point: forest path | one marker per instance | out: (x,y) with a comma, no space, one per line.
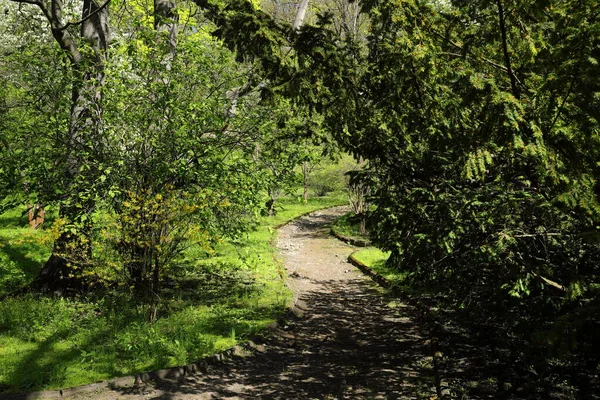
(345,339)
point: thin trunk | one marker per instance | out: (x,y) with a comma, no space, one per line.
(507,62)
(299,20)
(144,266)
(155,290)
(358,193)
(166,20)
(305,172)
(270,204)
(363,224)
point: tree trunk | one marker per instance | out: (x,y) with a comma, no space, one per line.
(305,173)
(62,273)
(71,252)
(270,206)
(363,225)
(166,20)
(298,22)
(300,14)
(35,215)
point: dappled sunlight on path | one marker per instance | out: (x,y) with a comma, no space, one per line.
(344,338)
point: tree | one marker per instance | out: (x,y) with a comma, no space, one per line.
(279,149)
(85,53)
(147,134)
(181,146)
(480,126)
(359,191)
(34,109)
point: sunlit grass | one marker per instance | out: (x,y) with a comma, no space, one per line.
(212,303)
(348,226)
(21,252)
(376,260)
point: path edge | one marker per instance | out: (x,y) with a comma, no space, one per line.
(442,387)
(194,368)
(350,240)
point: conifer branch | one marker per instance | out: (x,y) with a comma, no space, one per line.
(513,80)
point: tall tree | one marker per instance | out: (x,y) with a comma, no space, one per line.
(480,125)
(180,155)
(86,52)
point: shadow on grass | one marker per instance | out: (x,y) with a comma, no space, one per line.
(13,220)
(208,287)
(18,253)
(349,344)
(117,341)
(49,362)
(18,218)
(17,268)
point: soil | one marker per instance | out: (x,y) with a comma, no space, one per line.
(344,339)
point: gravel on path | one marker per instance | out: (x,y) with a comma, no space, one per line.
(345,339)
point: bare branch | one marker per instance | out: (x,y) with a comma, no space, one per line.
(34,2)
(492,63)
(551,283)
(532,235)
(39,4)
(299,20)
(459,47)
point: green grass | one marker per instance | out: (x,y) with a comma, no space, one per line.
(376,260)
(214,303)
(22,251)
(348,226)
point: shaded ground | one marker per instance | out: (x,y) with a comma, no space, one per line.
(478,362)
(345,339)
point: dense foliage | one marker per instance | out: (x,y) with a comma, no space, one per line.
(479,124)
(483,154)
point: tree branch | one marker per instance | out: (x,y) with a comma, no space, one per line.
(81,21)
(39,4)
(513,81)
(550,283)
(34,2)
(461,48)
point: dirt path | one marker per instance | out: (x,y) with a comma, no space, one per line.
(345,340)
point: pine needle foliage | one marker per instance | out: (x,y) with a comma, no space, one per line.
(479,122)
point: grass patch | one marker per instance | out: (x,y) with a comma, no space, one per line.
(211,303)
(22,250)
(348,226)
(376,260)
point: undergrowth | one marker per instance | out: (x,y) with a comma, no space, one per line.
(210,303)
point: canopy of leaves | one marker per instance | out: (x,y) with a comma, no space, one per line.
(480,124)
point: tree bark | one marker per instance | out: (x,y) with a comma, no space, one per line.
(299,20)
(35,215)
(72,251)
(305,172)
